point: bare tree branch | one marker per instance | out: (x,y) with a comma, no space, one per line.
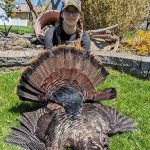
(47,6)
(57,3)
(116,46)
(52,3)
(54,6)
(103,30)
(112,38)
(32,8)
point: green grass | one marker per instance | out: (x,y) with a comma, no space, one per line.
(129,34)
(133,100)
(18,29)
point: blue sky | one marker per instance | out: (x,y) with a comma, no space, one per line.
(35,2)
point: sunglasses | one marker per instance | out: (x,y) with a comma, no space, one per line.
(69,12)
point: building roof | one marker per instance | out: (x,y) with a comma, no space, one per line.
(22,8)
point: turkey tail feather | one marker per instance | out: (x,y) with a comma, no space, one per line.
(64,66)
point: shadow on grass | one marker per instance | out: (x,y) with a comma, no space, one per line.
(26,107)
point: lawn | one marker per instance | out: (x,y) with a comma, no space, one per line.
(18,29)
(133,100)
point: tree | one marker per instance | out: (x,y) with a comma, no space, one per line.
(39,3)
(4,17)
(44,8)
(55,5)
(9,7)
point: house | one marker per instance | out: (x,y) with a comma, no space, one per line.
(23,11)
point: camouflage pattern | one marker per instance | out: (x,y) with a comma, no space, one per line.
(76,3)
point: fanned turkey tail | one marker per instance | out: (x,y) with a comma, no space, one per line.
(65,67)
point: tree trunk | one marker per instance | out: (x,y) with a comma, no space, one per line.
(32,8)
(55,6)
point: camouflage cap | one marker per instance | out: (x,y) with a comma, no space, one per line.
(76,3)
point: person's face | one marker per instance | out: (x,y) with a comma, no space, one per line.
(70,15)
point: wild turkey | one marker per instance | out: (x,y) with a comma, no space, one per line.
(64,79)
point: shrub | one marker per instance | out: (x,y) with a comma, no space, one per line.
(103,13)
(140,44)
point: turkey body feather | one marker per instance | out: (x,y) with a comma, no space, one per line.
(65,80)
(53,129)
